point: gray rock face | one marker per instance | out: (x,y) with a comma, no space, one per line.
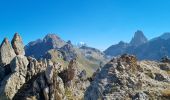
(69,52)
(49,72)
(13,82)
(6,52)
(17,45)
(19,64)
(10,86)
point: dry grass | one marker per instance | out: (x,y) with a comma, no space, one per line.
(168,72)
(166,93)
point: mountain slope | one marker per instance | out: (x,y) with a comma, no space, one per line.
(52,45)
(39,47)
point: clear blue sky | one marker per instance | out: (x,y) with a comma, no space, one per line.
(99,23)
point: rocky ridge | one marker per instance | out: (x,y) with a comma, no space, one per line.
(125,78)
(26,78)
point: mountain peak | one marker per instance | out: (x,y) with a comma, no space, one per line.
(138,39)
(51,36)
(165,36)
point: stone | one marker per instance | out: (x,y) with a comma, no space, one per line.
(83,75)
(140,96)
(72,69)
(18,45)
(6,53)
(49,72)
(10,86)
(46,92)
(159,77)
(165,67)
(19,64)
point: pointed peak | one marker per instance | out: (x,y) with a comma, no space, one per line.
(51,35)
(16,37)
(16,34)
(139,33)
(18,45)
(165,36)
(5,41)
(139,38)
(121,42)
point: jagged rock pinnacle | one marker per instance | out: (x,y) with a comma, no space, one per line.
(138,39)
(6,52)
(17,45)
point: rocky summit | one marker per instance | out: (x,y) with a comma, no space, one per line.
(125,78)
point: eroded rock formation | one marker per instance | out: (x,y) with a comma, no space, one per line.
(124,78)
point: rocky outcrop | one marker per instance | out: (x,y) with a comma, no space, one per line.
(14,81)
(126,78)
(17,45)
(6,53)
(69,52)
(15,68)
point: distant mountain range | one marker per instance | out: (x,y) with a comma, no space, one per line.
(143,48)
(52,46)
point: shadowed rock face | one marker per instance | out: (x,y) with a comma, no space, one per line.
(138,39)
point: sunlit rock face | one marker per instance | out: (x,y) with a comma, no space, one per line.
(126,78)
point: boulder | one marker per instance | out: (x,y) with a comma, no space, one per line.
(6,53)
(140,96)
(72,69)
(49,72)
(10,86)
(19,65)
(18,45)
(14,81)
(165,66)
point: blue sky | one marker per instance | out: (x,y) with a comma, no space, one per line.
(99,23)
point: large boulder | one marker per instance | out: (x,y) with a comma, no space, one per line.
(17,45)
(49,72)
(10,86)
(19,64)
(6,53)
(14,81)
(72,69)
